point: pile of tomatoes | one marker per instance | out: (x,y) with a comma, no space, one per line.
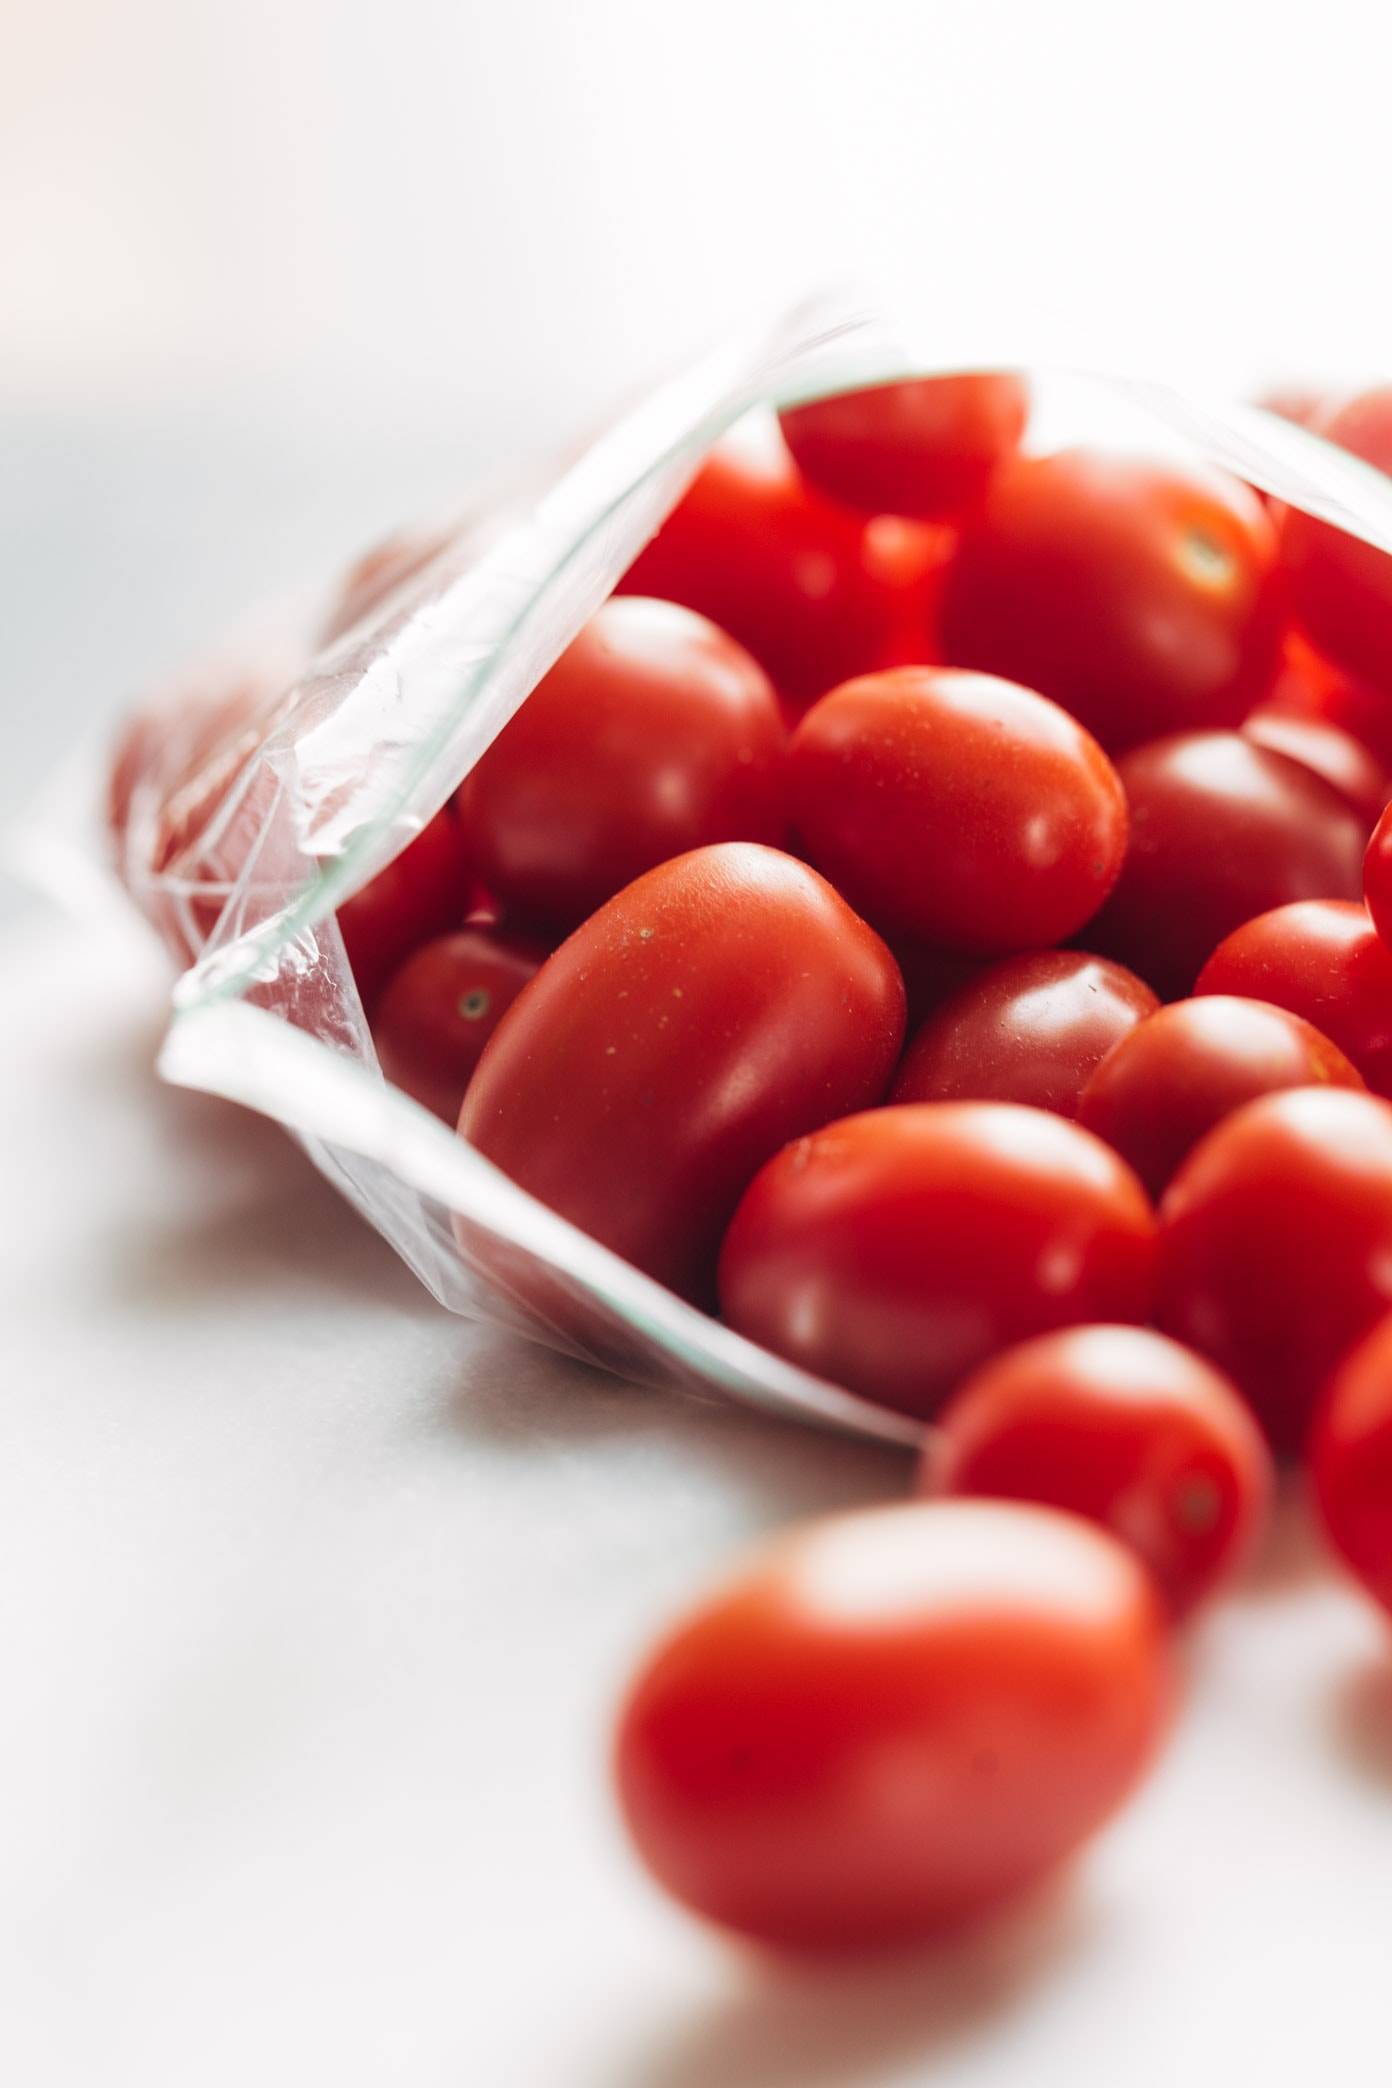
(937,914)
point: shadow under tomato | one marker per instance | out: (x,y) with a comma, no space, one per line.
(521,1396)
(1361,1719)
(1290,1554)
(827,2023)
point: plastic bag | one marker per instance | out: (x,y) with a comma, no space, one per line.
(340,764)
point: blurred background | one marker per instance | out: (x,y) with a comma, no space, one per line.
(273,277)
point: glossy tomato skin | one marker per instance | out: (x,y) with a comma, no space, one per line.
(1327,750)
(895,1251)
(926,447)
(440,1009)
(1140,596)
(815,592)
(1350,1459)
(1340,587)
(1221,831)
(1179,1073)
(1325,961)
(958,809)
(1309,686)
(428,889)
(1027,1029)
(890,1721)
(1276,1246)
(1377,879)
(1126,1428)
(652,735)
(718,1006)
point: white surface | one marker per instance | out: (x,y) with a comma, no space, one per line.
(314,1611)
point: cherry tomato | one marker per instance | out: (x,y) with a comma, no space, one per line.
(440,1009)
(1028,1029)
(892,1720)
(1301,403)
(1327,750)
(1309,686)
(378,573)
(720,1005)
(1126,1428)
(182,812)
(128,764)
(1340,587)
(653,734)
(1183,1070)
(1221,831)
(165,746)
(1323,960)
(203,840)
(1276,1245)
(1377,879)
(1140,596)
(927,447)
(1350,1457)
(816,593)
(895,1251)
(428,889)
(957,808)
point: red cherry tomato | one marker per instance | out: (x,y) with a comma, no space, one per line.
(927,447)
(815,593)
(957,808)
(653,734)
(1309,686)
(165,747)
(1221,831)
(895,1251)
(1029,1029)
(129,762)
(1123,1427)
(1327,750)
(1140,596)
(440,1009)
(428,889)
(1325,961)
(1301,403)
(892,1720)
(1183,1070)
(1341,588)
(1351,1461)
(204,838)
(182,811)
(1377,879)
(378,573)
(720,1005)
(1276,1245)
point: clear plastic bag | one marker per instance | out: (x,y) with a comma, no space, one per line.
(339,764)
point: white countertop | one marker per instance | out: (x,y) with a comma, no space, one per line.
(315,1607)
